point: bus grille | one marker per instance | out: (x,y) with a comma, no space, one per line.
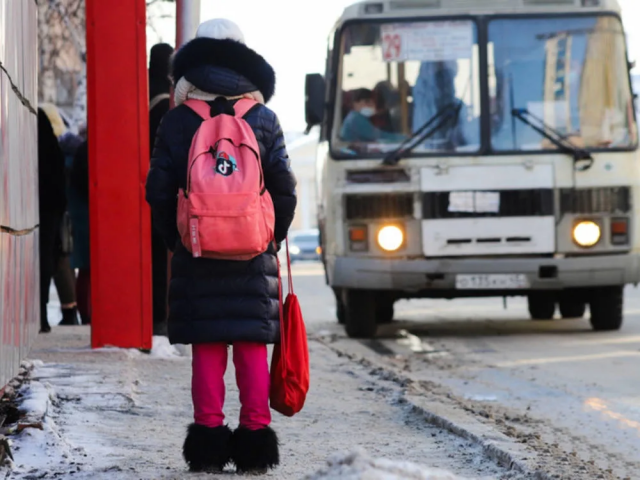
(375,207)
(595,200)
(513,203)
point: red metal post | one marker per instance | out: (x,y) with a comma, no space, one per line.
(118,125)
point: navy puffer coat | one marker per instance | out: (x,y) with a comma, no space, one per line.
(216,300)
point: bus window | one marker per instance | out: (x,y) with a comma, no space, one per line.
(571,73)
(395,77)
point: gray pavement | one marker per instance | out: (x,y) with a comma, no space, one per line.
(121,414)
(576,389)
(570,395)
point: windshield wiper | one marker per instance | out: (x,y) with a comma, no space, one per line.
(555,137)
(448,113)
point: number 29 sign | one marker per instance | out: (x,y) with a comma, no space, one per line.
(427,41)
(391,46)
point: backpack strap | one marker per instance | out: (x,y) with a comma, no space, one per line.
(200,107)
(243,106)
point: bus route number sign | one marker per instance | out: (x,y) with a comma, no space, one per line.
(427,41)
(392,46)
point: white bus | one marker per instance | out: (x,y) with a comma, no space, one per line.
(477,148)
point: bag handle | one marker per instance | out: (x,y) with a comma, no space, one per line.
(283,347)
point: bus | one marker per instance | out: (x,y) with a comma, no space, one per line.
(477,148)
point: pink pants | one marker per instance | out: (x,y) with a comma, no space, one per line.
(252,376)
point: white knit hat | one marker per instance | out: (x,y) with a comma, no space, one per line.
(220,29)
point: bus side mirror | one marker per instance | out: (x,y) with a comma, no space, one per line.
(314,100)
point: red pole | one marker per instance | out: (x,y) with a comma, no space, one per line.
(120,223)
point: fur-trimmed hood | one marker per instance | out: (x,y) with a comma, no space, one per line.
(224,67)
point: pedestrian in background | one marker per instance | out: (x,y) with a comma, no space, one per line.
(215,303)
(79,213)
(159,104)
(64,277)
(52,205)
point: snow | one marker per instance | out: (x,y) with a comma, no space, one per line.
(33,448)
(37,399)
(360,466)
(163,349)
(110,415)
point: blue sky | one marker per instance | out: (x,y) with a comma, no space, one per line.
(292,35)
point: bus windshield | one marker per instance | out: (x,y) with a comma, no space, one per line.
(396,76)
(571,74)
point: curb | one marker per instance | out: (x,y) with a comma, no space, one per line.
(496,446)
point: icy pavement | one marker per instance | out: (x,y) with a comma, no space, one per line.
(358,465)
(121,414)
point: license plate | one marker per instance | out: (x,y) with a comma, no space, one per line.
(491,282)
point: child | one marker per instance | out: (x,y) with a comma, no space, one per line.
(216,303)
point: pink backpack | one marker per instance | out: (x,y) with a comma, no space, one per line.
(226,211)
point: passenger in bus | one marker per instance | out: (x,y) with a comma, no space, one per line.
(388,115)
(435,89)
(357,126)
(217,303)
(382,96)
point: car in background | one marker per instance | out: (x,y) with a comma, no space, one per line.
(304,245)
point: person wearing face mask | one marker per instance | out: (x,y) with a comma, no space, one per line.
(357,126)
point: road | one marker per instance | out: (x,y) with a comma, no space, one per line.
(570,393)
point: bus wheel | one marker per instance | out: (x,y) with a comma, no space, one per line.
(542,306)
(606,308)
(572,308)
(341,313)
(384,311)
(360,309)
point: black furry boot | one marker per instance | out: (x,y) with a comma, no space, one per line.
(254,451)
(207,449)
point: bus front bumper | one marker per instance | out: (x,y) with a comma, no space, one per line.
(416,275)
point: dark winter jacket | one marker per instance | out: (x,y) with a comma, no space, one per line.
(79,206)
(159,84)
(51,170)
(216,300)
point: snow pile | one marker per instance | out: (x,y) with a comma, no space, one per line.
(163,349)
(359,466)
(40,444)
(36,399)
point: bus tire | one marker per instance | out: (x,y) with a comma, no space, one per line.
(384,311)
(360,309)
(542,306)
(570,308)
(341,313)
(606,305)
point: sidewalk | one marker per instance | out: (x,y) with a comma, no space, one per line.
(121,414)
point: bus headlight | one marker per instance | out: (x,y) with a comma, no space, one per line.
(390,238)
(587,233)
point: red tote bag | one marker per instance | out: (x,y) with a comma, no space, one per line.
(290,361)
